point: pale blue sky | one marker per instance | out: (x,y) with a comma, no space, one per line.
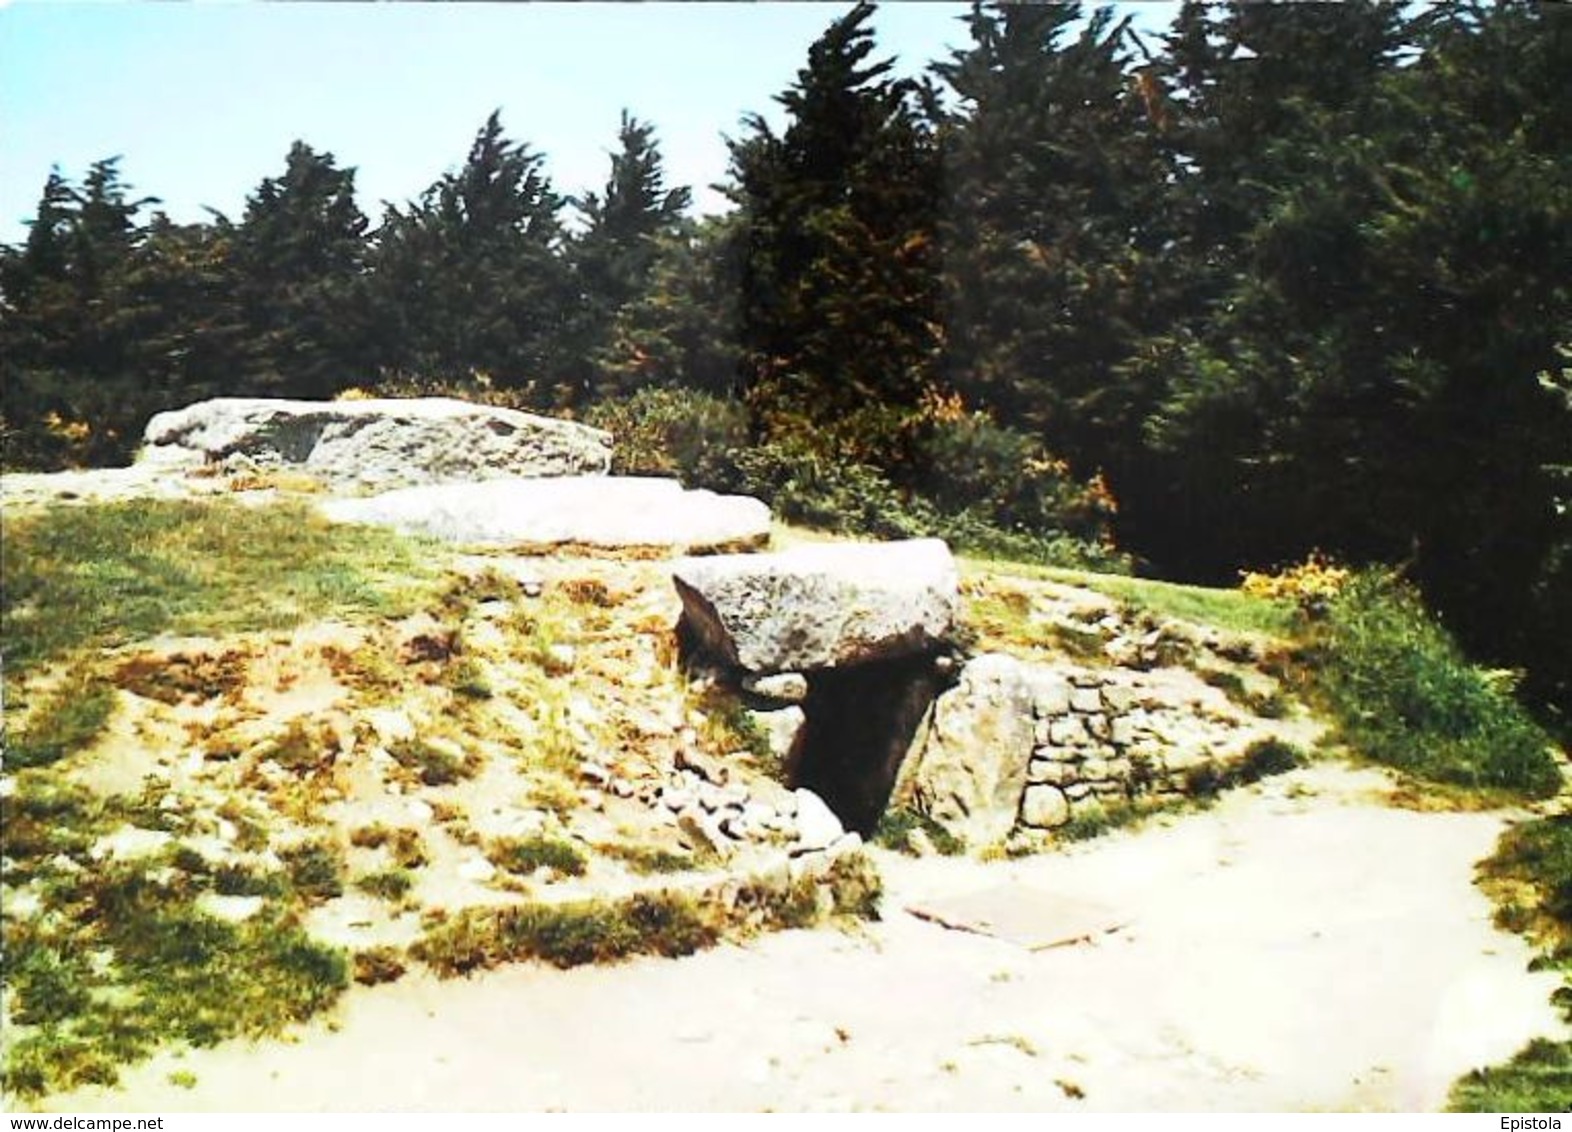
(203,100)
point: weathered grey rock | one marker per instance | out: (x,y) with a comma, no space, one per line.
(1052,696)
(969,764)
(817,826)
(129,843)
(1118,698)
(701,833)
(782,687)
(1067,731)
(1086,700)
(782,728)
(230,909)
(1044,807)
(821,606)
(476,869)
(606,512)
(379,444)
(1049,772)
(707,767)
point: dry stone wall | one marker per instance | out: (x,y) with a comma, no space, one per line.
(1016,745)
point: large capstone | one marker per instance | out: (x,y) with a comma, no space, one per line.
(599,512)
(376,444)
(823,606)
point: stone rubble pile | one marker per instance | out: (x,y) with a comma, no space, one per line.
(716,814)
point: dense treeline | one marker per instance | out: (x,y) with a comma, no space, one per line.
(1292,277)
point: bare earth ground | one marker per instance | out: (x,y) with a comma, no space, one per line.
(1300,946)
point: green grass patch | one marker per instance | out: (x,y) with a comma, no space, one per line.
(70,718)
(378,965)
(1090,822)
(1226,609)
(389,884)
(523,855)
(1402,694)
(1537,1079)
(114,573)
(1262,759)
(646,860)
(565,935)
(650,923)
(405,846)
(315,870)
(729,727)
(896,827)
(121,960)
(128,963)
(434,764)
(1530,878)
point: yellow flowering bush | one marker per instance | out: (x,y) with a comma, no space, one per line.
(1310,585)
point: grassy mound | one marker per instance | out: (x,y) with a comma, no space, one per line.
(1403,694)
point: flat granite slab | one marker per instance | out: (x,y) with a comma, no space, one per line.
(378,444)
(610,513)
(822,606)
(1030,917)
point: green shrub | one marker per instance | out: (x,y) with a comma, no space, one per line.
(980,487)
(967,464)
(806,485)
(1402,694)
(672,432)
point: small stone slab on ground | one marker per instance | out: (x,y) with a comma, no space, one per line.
(822,606)
(1032,918)
(378,443)
(598,512)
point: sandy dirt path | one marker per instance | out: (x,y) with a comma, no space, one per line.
(1299,946)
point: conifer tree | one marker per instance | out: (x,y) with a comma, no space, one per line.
(1054,226)
(298,259)
(840,278)
(471,279)
(627,225)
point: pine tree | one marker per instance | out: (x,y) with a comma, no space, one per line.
(1055,224)
(682,329)
(471,279)
(839,317)
(627,225)
(68,342)
(298,258)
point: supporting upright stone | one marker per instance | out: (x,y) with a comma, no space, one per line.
(968,767)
